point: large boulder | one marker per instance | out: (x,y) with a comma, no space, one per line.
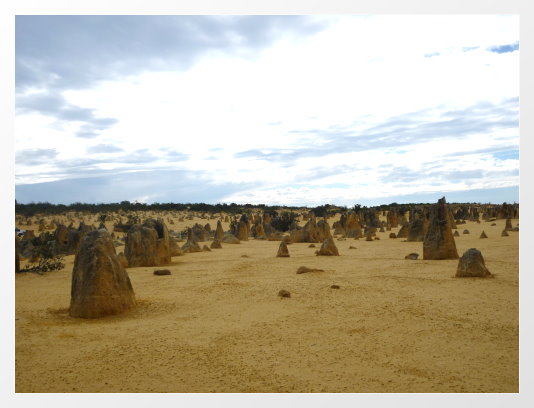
(471,264)
(148,244)
(100,284)
(438,241)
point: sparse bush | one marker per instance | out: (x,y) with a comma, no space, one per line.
(283,221)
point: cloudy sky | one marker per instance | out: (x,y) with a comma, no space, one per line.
(295,110)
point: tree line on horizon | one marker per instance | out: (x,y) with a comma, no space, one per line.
(46,208)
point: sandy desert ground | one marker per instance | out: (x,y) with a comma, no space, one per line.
(217,325)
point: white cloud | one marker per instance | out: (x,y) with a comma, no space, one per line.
(355,75)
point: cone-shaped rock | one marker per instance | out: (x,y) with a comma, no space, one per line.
(100,284)
(403,232)
(483,235)
(456,234)
(191,245)
(283,252)
(219,233)
(471,264)
(216,244)
(328,248)
(508,226)
(504,233)
(439,242)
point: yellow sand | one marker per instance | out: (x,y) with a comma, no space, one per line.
(217,325)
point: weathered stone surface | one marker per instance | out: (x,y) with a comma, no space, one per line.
(100,284)
(283,252)
(175,248)
(243,228)
(328,248)
(230,239)
(122,259)
(190,245)
(472,264)
(439,241)
(216,244)
(219,233)
(403,232)
(148,244)
(417,229)
(311,232)
(199,233)
(508,226)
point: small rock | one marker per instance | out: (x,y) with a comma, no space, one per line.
(465,232)
(284,293)
(334,287)
(311,246)
(352,247)
(162,272)
(304,269)
(413,255)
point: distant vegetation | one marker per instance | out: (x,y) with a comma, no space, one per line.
(45,208)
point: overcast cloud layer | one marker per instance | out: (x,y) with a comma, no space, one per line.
(296,110)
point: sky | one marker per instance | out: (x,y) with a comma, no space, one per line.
(281,110)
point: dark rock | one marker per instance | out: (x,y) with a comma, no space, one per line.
(284,293)
(471,264)
(283,252)
(162,272)
(304,269)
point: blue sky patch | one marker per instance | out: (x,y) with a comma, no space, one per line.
(507,154)
(501,49)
